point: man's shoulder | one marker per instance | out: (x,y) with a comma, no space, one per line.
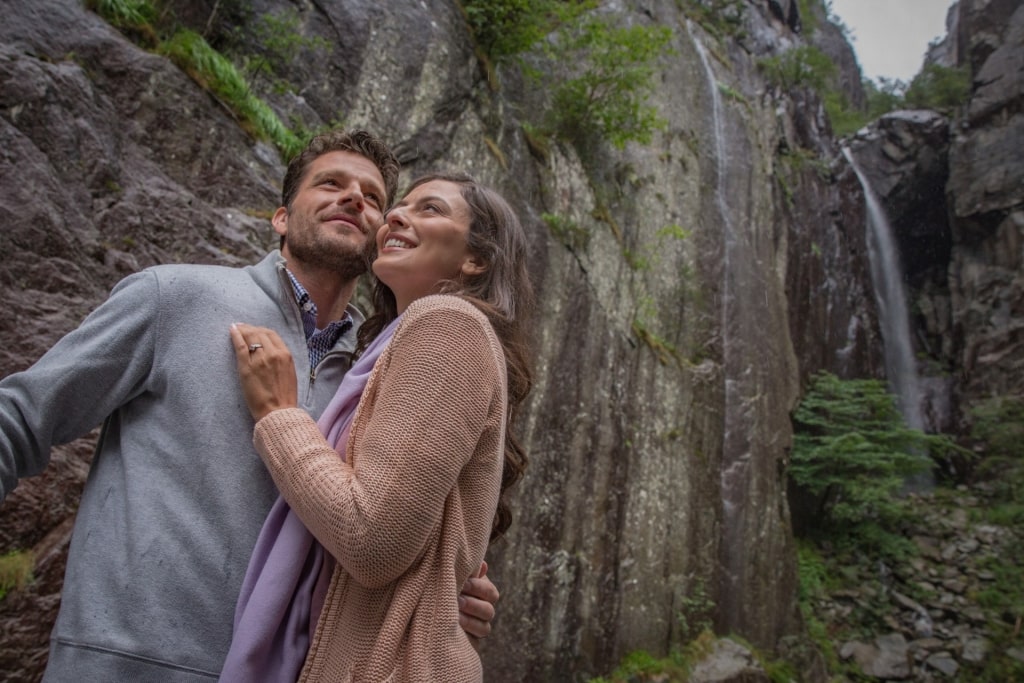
(186,275)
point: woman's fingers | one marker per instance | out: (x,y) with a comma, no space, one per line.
(265,368)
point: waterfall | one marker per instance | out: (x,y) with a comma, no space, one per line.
(887,278)
(735,465)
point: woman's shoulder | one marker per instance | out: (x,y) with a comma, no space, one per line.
(447,316)
(442,305)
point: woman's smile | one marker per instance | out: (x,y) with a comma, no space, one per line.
(422,243)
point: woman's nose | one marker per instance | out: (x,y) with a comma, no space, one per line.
(396,217)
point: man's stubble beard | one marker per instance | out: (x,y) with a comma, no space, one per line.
(320,253)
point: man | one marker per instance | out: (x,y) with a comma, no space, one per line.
(176,495)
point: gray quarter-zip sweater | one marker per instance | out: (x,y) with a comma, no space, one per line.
(176,495)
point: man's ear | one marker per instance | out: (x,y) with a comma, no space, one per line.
(473,265)
(280,221)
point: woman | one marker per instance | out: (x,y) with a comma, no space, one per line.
(422,426)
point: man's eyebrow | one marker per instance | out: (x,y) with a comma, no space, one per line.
(320,175)
(335,173)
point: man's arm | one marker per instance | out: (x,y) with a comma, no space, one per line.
(87,375)
(476,604)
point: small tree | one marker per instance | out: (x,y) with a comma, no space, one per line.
(853,453)
(939,87)
(801,67)
(504,28)
(607,73)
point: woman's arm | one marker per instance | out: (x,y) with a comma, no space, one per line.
(433,396)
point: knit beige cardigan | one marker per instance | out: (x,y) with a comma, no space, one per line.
(407,517)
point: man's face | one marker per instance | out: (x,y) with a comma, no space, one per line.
(337,209)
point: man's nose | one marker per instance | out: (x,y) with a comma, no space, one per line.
(351,194)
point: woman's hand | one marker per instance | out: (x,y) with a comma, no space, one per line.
(265,368)
(476,605)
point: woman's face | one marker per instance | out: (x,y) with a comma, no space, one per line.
(423,242)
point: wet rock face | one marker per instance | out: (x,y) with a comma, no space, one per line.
(987,201)
(954,192)
(905,156)
(705,276)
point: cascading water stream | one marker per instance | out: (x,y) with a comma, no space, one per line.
(887,278)
(735,464)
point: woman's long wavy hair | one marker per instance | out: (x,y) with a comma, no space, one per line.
(502,292)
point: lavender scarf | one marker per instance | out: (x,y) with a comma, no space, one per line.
(289,571)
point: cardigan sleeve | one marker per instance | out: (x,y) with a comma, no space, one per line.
(434,393)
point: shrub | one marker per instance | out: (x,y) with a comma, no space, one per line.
(940,88)
(503,28)
(998,428)
(801,67)
(214,72)
(852,452)
(718,17)
(609,73)
(844,118)
(998,423)
(130,14)
(884,96)
(135,18)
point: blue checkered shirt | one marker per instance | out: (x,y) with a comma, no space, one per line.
(319,342)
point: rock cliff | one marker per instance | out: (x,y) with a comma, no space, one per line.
(667,361)
(952,186)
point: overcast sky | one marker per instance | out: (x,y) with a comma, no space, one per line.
(891,36)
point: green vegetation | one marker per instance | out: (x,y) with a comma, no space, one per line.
(277,39)
(567,231)
(815,579)
(599,74)
(678,665)
(808,17)
(852,454)
(1003,597)
(648,256)
(808,67)
(15,570)
(801,67)
(642,666)
(604,78)
(696,614)
(125,14)
(665,351)
(998,428)
(718,17)
(214,72)
(936,87)
(506,28)
(940,88)
(884,96)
